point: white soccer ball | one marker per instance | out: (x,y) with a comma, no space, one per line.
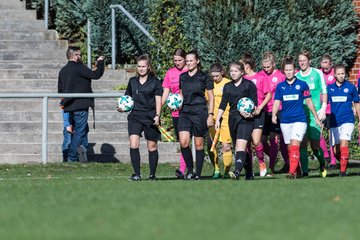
(174,101)
(126,103)
(245,104)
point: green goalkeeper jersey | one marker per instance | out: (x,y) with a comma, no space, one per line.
(317,85)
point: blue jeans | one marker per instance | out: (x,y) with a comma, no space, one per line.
(81,129)
(67,142)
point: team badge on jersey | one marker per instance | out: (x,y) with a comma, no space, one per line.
(297,87)
(254,81)
(346,90)
(274,79)
(330,78)
(306,93)
(311,79)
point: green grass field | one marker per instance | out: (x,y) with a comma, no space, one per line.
(96,201)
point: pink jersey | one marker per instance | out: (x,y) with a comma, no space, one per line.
(171,81)
(329,79)
(262,85)
(273,80)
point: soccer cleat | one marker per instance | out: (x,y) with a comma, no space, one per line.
(191,176)
(323,171)
(179,174)
(342,174)
(134,178)
(216,175)
(249,177)
(234,175)
(81,150)
(262,169)
(152,178)
(284,169)
(291,176)
(331,167)
(226,176)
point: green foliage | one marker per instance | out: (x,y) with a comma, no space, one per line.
(166,29)
(131,42)
(120,87)
(70,19)
(223,30)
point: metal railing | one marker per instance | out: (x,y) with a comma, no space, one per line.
(113,39)
(45,97)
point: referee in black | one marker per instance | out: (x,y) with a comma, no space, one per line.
(241,124)
(196,115)
(146,91)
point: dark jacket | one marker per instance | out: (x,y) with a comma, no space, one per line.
(76,77)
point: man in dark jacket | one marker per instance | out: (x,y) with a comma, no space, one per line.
(75,77)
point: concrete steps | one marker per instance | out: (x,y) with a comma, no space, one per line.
(33,126)
(33,25)
(25,55)
(50,84)
(32,44)
(35,104)
(96,157)
(28,64)
(30,60)
(28,35)
(55,136)
(118,147)
(18,14)
(11,5)
(57,116)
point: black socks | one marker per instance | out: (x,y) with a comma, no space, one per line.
(153,161)
(187,155)
(240,159)
(135,160)
(200,155)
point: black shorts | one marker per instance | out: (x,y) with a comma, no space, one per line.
(327,122)
(240,129)
(269,126)
(151,132)
(194,121)
(259,120)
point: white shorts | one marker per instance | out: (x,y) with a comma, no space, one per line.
(293,131)
(342,132)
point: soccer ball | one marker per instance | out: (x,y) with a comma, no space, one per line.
(174,101)
(126,103)
(245,105)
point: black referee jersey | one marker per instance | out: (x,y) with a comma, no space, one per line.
(232,94)
(193,89)
(144,96)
